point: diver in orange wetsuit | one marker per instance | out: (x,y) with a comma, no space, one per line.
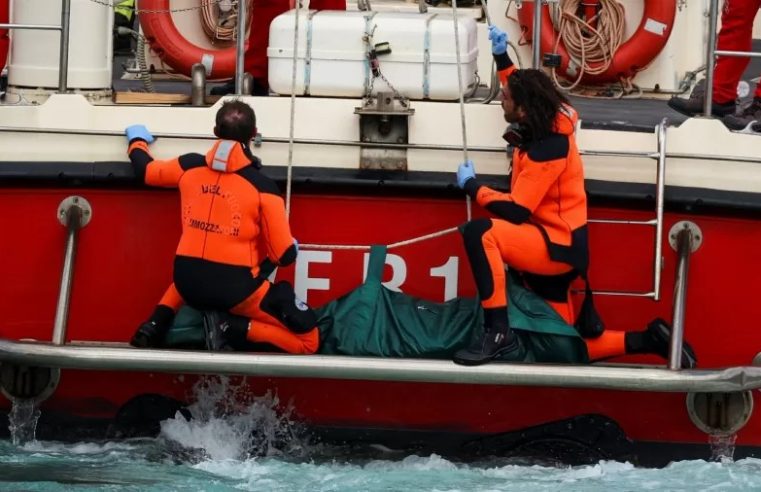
(233,221)
(540,226)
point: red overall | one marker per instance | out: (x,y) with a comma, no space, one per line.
(736,35)
(262,13)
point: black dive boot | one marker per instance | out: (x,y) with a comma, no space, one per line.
(656,340)
(497,339)
(151,334)
(224,331)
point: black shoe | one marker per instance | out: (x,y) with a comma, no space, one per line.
(750,115)
(225,331)
(487,347)
(224,89)
(149,335)
(215,326)
(258,89)
(694,105)
(660,337)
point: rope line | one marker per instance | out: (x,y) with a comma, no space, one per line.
(289,179)
(159,11)
(455,18)
(398,244)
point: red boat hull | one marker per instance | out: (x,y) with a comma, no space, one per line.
(124,263)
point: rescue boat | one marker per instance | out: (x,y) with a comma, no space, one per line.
(87,250)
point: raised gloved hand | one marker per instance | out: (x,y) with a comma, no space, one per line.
(465,172)
(498,39)
(139,131)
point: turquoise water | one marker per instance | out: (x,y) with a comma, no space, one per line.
(150,465)
(235,442)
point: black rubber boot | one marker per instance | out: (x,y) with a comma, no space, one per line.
(225,331)
(487,347)
(151,334)
(656,340)
(497,340)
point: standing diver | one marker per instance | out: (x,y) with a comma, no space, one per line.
(540,227)
(233,223)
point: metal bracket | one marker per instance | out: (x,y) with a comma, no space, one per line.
(198,84)
(67,207)
(697,234)
(383,123)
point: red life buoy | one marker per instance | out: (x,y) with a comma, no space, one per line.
(4,41)
(632,56)
(174,49)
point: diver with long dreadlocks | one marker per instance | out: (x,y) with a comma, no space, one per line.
(540,226)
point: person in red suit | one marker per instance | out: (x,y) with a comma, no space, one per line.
(255,61)
(736,35)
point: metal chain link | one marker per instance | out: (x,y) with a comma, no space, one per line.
(402,100)
(203,4)
(368,38)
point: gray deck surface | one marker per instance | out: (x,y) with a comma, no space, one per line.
(622,114)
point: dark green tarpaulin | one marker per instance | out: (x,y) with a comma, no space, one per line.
(372,320)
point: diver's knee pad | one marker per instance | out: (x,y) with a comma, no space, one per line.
(281,303)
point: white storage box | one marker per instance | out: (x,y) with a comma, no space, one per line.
(332,58)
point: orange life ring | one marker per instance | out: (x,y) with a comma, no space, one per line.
(631,57)
(4,41)
(175,50)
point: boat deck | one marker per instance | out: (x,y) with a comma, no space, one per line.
(629,114)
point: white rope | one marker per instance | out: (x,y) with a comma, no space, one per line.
(591,48)
(462,97)
(289,179)
(399,244)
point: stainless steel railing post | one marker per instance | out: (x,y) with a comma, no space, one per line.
(713,16)
(536,38)
(74,213)
(63,62)
(684,247)
(660,185)
(240,45)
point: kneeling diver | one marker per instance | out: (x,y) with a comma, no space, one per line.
(233,221)
(540,226)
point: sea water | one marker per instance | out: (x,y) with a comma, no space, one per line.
(227,446)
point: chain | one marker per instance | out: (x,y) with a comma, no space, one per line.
(402,100)
(203,4)
(375,71)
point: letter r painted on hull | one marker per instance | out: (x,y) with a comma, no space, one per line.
(302,283)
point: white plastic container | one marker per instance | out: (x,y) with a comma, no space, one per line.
(332,57)
(34,54)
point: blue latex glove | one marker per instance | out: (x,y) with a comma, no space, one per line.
(465,172)
(498,39)
(139,131)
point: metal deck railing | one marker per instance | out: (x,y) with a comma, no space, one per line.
(712,52)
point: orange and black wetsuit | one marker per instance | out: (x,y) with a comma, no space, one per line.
(233,219)
(540,226)
(539,229)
